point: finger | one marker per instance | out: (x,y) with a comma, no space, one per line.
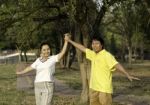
(136,78)
(130,79)
(67,34)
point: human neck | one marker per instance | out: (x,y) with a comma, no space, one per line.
(45,58)
(98,51)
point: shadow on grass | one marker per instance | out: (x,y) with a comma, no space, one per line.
(131,93)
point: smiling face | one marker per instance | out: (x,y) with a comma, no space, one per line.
(97,46)
(45,51)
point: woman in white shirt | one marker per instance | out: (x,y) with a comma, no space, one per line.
(45,68)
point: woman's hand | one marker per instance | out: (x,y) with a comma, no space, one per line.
(67,37)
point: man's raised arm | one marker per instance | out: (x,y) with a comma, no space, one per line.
(75,44)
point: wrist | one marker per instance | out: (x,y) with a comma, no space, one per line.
(128,75)
(70,40)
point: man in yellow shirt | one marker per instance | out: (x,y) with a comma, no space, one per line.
(102,65)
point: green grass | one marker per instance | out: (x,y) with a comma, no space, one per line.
(65,100)
(9,95)
(71,77)
(8,92)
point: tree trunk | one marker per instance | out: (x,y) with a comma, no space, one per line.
(62,61)
(72,56)
(142,52)
(84,10)
(145,2)
(25,56)
(130,56)
(84,69)
(123,53)
(135,53)
(21,56)
(68,58)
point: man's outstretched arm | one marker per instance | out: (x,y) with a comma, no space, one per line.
(120,68)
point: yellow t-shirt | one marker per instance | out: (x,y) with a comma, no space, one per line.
(102,65)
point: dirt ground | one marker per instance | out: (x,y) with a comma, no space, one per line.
(135,93)
(125,92)
(120,98)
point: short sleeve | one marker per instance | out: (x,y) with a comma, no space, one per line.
(111,61)
(34,64)
(55,58)
(89,54)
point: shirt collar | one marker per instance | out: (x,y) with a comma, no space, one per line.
(102,51)
(41,59)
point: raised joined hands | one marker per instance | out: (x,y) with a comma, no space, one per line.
(67,36)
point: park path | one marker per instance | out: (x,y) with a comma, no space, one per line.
(63,89)
(132,100)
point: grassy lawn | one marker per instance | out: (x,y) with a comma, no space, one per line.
(9,95)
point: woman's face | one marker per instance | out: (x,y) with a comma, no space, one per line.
(45,51)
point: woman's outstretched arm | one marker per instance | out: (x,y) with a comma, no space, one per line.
(29,68)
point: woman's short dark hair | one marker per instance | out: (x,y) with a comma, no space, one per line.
(44,43)
(40,48)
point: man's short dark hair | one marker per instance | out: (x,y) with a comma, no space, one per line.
(98,38)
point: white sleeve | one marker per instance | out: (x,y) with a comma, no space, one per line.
(55,58)
(34,64)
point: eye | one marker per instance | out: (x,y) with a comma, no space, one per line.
(44,50)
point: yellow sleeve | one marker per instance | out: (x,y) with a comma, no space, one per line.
(89,54)
(111,61)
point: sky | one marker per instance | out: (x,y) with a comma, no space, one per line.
(99,4)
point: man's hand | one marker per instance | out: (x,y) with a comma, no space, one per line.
(67,36)
(131,78)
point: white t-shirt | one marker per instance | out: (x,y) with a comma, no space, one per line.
(45,70)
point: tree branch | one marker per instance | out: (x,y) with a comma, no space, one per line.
(49,19)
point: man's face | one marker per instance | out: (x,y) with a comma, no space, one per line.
(96,46)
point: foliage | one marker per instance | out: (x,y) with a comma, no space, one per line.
(128,19)
(23,21)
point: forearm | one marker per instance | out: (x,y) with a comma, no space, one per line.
(121,69)
(79,46)
(25,70)
(61,54)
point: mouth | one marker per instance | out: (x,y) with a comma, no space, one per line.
(46,54)
(96,50)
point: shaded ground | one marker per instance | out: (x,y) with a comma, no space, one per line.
(63,89)
(68,87)
(122,97)
(132,100)
(132,93)
(125,92)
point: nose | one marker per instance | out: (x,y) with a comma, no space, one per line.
(47,51)
(94,45)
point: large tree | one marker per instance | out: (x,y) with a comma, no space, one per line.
(27,22)
(89,16)
(128,19)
